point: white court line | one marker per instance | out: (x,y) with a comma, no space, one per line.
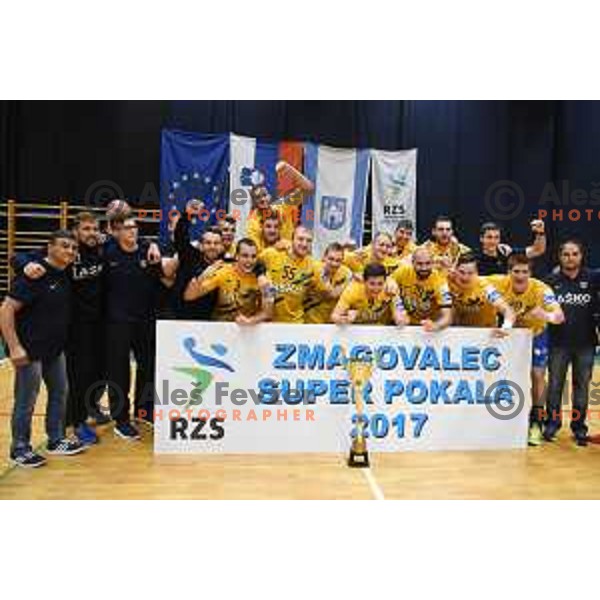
(373,485)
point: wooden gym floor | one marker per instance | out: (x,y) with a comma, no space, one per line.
(115,469)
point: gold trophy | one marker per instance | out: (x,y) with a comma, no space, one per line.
(360,371)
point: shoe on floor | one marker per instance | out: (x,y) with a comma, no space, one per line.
(581,439)
(86,434)
(550,431)
(27,459)
(65,447)
(535,435)
(127,431)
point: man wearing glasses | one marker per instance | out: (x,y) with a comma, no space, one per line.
(132,288)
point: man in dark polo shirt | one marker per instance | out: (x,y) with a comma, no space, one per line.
(492,256)
(194,257)
(34,320)
(132,288)
(572,343)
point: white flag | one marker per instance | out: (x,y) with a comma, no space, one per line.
(336,209)
(242,154)
(394,188)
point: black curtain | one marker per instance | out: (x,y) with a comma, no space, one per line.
(53,149)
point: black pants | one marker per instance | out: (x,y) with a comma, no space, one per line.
(582,364)
(85,354)
(121,340)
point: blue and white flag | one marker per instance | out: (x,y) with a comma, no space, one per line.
(394,188)
(335,211)
(193,165)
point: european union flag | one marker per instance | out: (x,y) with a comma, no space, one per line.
(193,166)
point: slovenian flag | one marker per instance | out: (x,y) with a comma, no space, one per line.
(336,209)
(252,162)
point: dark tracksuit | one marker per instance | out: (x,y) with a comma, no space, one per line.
(85,348)
(573,343)
(132,286)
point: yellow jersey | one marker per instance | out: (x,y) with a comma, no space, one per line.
(422,298)
(372,311)
(474,307)
(357,261)
(287,214)
(229,252)
(318,307)
(407,251)
(453,251)
(291,278)
(537,294)
(238,293)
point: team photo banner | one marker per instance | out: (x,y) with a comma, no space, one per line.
(272,388)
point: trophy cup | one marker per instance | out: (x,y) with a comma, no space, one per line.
(360,371)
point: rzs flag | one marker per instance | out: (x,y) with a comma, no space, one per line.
(394,185)
(253,163)
(335,211)
(193,166)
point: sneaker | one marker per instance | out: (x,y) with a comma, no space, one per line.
(127,431)
(581,439)
(535,435)
(65,447)
(27,460)
(86,434)
(550,431)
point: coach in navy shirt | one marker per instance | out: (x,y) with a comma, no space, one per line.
(132,288)
(572,343)
(34,320)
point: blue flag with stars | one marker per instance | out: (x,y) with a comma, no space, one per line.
(193,166)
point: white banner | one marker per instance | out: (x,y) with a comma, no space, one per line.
(284,388)
(336,210)
(242,158)
(394,185)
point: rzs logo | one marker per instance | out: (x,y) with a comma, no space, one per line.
(572,299)
(394,210)
(194,429)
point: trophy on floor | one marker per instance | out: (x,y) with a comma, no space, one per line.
(360,371)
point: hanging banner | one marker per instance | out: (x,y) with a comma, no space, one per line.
(394,188)
(335,211)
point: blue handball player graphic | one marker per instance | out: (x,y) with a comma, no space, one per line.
(202,378)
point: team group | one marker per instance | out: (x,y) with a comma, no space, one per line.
(80,308)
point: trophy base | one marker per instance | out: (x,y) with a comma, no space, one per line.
(358,459)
